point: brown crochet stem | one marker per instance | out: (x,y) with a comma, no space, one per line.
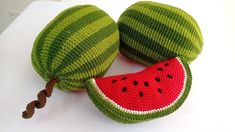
(41,102)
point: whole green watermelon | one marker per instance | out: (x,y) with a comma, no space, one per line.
(152,32)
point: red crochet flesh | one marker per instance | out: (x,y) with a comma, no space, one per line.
(153,88)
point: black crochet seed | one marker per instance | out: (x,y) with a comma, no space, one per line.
(124,78)
(146,84)
(160,69)
(157,79)
(113,81)
(141,94)
(169,76)
(135,83)
(124,89)
(159,90)
(166,64)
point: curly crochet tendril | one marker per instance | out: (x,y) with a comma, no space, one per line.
(41,102)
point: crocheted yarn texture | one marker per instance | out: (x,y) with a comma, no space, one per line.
(151,32)
(154,92)
(80,43)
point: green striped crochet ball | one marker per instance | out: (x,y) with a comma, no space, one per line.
(80,43)
(152,32)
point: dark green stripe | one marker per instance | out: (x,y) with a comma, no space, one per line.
(100,74)
(135,52)
(145,41)
(142,56)
(68,31)
(75,53)
(162,29)
(49,28)
(176,17)
(99,60)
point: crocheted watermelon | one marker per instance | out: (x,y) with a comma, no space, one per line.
(152,32)
(154,92)
(80,43)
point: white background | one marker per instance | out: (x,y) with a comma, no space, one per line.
(10,9)
(209,107)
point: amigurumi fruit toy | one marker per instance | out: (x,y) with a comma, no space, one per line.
(154,92)
(151,32)
(80,43)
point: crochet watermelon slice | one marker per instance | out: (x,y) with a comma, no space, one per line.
(154,92)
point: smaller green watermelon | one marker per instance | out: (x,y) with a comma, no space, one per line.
(152,93)
(151,32)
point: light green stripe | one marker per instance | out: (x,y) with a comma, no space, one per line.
(139,47)
(177,11)
(93,63)
(152,35)
(162,29)
(101,67)
(76,85)
(85,45)
(60,27)
(170,23)
(39,42)
(92,53)
(72,85)
(95,26)
(74,27)
(177,18)
(143,40)
(67,87)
